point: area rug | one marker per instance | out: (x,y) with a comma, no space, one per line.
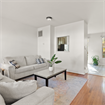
(65,91)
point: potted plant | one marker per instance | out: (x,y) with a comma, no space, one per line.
(95,60)
(53,61)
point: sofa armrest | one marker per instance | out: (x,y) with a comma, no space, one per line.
(46,61)
(43,96)
(9,70)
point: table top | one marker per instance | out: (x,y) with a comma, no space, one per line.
(47,74)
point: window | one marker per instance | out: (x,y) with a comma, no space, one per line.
(103,47)
(63,43)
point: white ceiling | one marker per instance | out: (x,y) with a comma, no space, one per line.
(35,13)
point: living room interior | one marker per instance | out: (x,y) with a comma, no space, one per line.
(49,49)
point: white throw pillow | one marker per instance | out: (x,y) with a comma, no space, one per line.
(2,102)
(1,76)
(13,91)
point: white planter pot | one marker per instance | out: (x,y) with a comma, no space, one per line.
(50,68)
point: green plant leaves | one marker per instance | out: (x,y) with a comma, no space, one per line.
(53,60)
(95,59)
(49,61)
(58,62)
(53,57)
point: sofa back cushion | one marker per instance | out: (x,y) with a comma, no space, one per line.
(2,102)
(13,91)
(19,59)
(31,59)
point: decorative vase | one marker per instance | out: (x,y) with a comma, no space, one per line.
(50,68)
(95,64)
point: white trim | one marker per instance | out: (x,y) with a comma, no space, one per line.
(98,64)
(75,72)
(86,70)
(101,65)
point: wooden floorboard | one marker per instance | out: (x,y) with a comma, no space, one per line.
(92,93)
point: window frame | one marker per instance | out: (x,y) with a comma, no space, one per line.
(102,46)
(68,43)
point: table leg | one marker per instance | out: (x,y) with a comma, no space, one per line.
(2,72)
(47,82)
(35,77)
(65,74)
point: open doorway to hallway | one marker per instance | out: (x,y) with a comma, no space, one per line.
(96,46)
(96,70)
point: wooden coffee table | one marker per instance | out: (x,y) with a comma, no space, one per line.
(46,74)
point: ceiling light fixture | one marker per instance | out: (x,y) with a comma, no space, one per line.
(49,18)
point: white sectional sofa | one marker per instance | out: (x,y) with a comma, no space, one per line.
(28,66)
(42,96)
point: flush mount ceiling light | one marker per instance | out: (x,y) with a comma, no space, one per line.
(49,18)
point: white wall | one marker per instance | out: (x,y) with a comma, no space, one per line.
(85,47)
(45,43)
(95,47)
(18,39)
(94,28)
(74,59)
(0,41)
(52,41)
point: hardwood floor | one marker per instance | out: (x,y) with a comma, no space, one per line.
(92,93)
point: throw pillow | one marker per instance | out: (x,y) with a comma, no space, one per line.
(1,76)
(41,60)
(13,91)
(2,102)
(38,61)
(14,63)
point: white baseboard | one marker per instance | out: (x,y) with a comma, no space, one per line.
(100,64)
(86,71)
(76,72)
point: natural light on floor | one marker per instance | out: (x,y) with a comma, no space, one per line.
(96,70)
(92,68)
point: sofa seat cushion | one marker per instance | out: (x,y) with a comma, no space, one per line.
(13,91)
(2,102)
(30,60)
(38,66)
(20,60)
(24,69)
(43,96)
